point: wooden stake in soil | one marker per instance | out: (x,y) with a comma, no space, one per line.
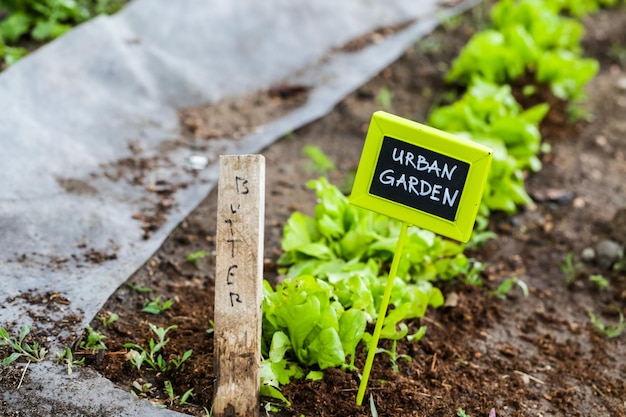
(238,285)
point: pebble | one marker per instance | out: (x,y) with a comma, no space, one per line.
(621,83)
(198,162)
(608,252)
(579,202)
(588,254)
(452,300)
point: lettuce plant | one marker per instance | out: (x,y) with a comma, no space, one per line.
(528,36)
(566,73)
(547,29)
(44,20)
(336,265)
(580,8)
(489,114)
(303,316)
(342,235)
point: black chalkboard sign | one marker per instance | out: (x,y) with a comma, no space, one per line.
(422,176)
(419,178)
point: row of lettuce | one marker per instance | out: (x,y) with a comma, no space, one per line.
(25,24)
(336,262)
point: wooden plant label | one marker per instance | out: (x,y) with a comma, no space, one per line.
(421,176)
(238,285)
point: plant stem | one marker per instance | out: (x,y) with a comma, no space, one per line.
(381,314)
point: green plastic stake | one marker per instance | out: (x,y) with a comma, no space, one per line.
(381,314)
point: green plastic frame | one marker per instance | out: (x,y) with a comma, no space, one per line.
(476,156)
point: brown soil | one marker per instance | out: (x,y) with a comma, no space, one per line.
(534,356)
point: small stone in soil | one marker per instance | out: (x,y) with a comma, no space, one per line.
(198,162)
(588,254)
(608,252)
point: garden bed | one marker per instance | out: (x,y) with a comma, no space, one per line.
(523,356)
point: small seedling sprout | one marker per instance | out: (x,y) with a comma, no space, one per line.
(66,356)
(503,289)
(393,355)
(178,361)
(195,257)
(570,269)
(93,340)
(140,389)
(151,355)
(600,282)
(373,407)
(169,390)
(608,330)
(320,162)
(157,306)
(385,97)
(620,265)
(108,319)
(138,288)
(211,329)
(182,400)
(21,349)
(418,335)
(185,397)
(461,413)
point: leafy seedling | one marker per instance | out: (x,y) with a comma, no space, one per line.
(418,335)
(157,306)
(66,356)
(461,413)
(185,397)
(503,289)
(385,97)
(452,22)
(92,340)
(195,257)
(21,349)
(320,162)
(142,390)
(600,282)
(570,269)
(211,329)
(620,265)
(182,400)
(472,274)
(430,45)
(108,319)
(179,360)
(151,355)
(138,288)
(608,330)
(393,355)
(373,407)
